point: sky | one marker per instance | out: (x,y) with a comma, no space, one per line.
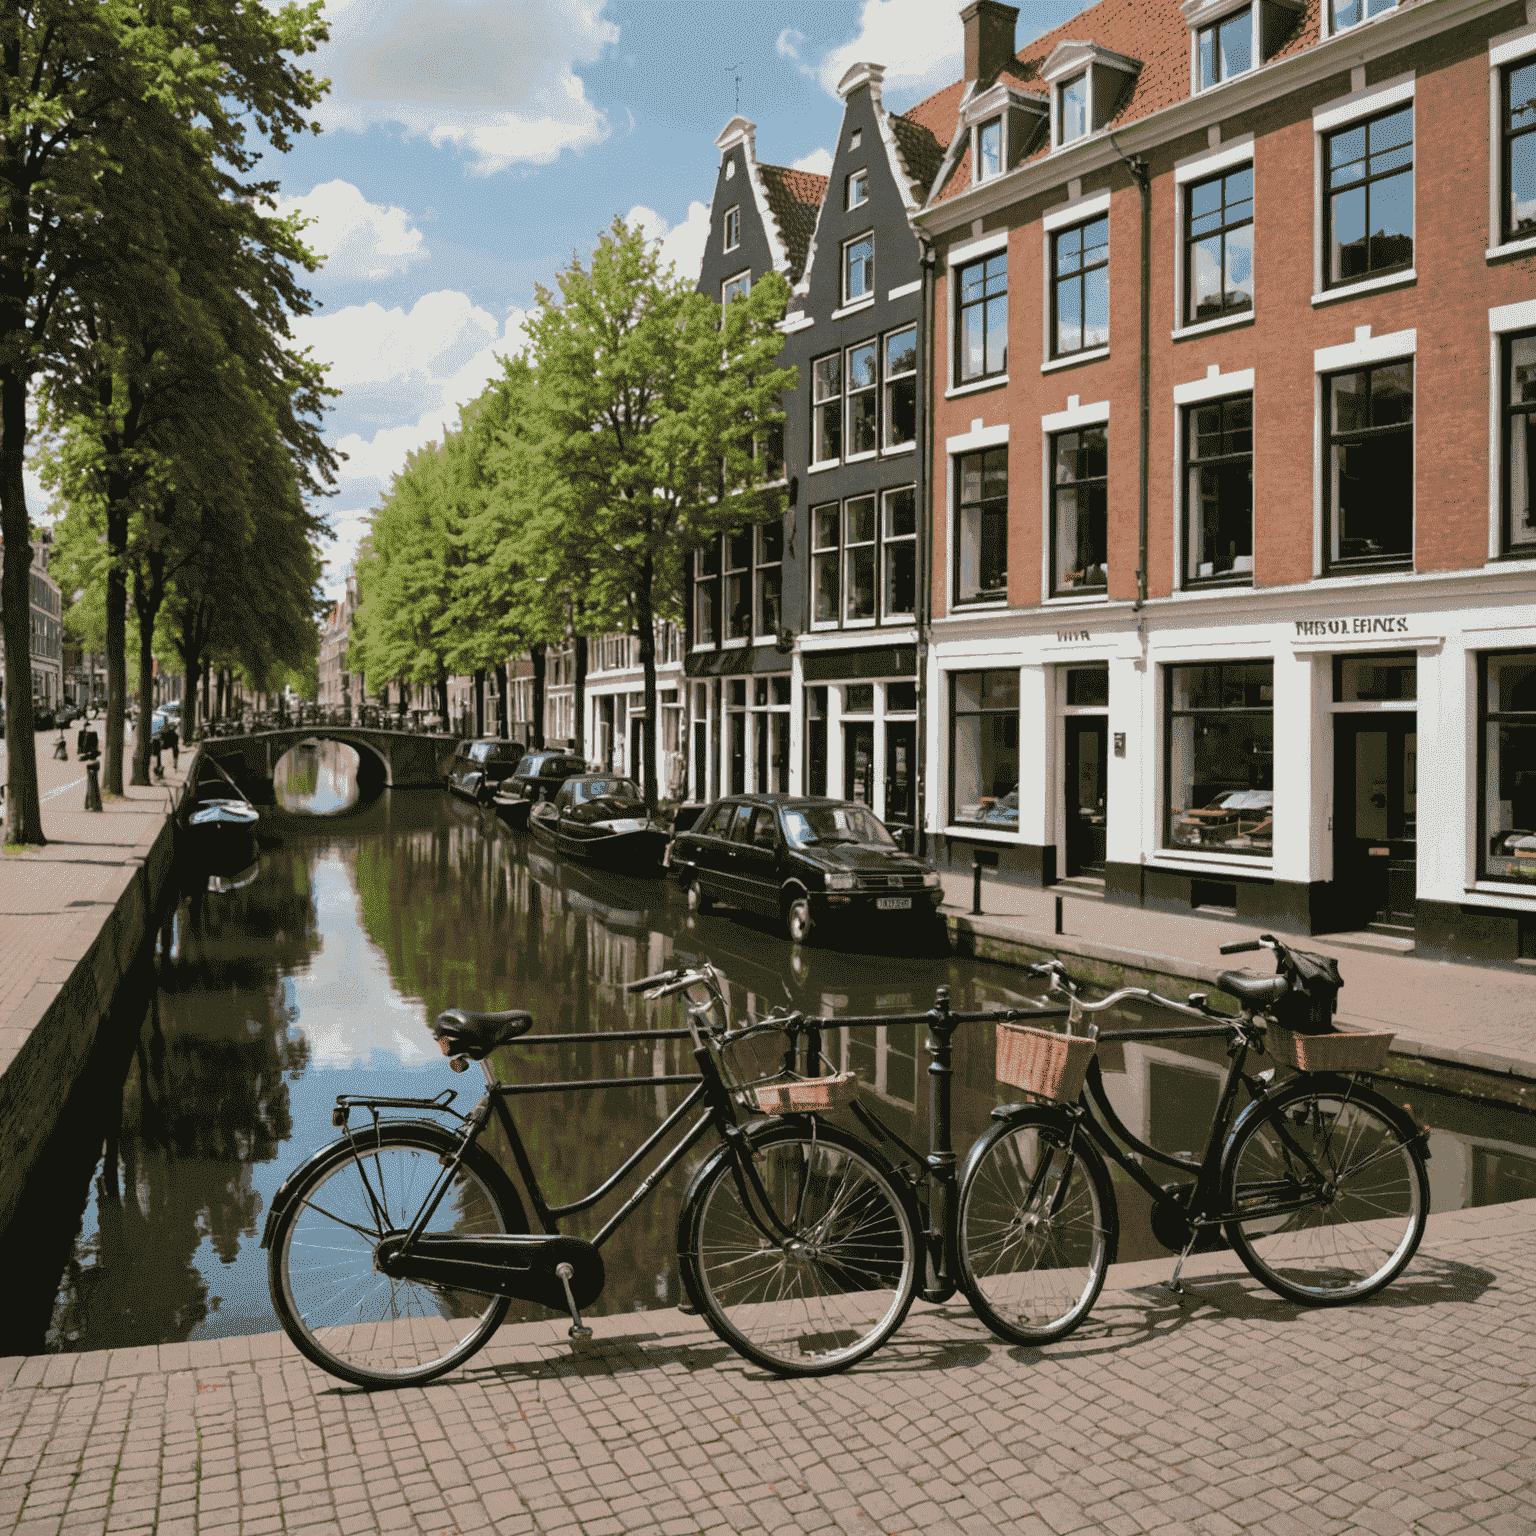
(472,148)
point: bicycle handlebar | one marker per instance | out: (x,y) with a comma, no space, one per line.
(1237,949)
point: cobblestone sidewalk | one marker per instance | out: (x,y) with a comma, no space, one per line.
(1223,1412)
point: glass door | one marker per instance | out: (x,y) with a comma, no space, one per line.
(901,778)
(1086,798)
(859,762)
(1375,816)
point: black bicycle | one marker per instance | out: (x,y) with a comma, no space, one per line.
(394,1253)
(1318,1184)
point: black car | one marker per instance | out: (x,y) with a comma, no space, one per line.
(801,859)
(538,778)
(478,767)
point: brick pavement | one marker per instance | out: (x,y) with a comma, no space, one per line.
(1226,1411)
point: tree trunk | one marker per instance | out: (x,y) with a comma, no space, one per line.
(23,809)
(644,616)
(146,604)
(579,703)
(539,655)
(440,689)
(504,703)
(479,701)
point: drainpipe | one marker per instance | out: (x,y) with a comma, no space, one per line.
(924,494)
(1143,179)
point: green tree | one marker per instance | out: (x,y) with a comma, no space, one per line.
(115,116)
(652,402)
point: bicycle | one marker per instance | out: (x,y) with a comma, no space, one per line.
(395,1252)
(1318,1184)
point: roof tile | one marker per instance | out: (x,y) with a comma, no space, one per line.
(794,199)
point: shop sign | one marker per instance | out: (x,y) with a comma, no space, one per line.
(1310,628)
(1072,636)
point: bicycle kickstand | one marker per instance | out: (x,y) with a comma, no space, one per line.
(1189,1247)
(578,1329)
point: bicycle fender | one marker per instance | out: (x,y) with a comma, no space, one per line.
(702,1172)
(343,1147)
(1041,1114)
(1344,1088)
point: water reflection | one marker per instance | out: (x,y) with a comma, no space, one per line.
(317,778)
(322,975)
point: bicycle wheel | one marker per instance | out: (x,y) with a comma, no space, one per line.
(834,1293)
(1362,1190)
(342,1312)
(1038,1227)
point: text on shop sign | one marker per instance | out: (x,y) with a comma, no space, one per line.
(1066,635)
(1393,626)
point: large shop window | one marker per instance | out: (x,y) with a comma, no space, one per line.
(984,750)
(1220,734)
(981,528)
(1218,243)
(1080,288)
(1509,767)
(1218,443)
(1519,432)
(1368,197)
(982,342)
(1370,467)
(1520,151)
(1079,512)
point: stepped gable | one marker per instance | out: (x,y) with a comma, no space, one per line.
(1153,31)
(794,199)
(921,149)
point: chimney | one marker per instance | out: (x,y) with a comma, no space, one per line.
(989,29)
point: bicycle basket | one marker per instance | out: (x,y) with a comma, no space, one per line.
(756,1064)
(1043,1063)
(802,1095)
(1336,1051)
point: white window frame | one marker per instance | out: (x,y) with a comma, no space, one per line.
(1508,48)
(848,245)
(1503,320)
(977,173)
(849,391)
(1329,30)
(887,379)
(829,403)
(1214,386)
(1083,210)
(728,641)
(1215,19)
(732,227)
(887,542)
(1095,414)
(856,180)
(847,547)
(741,279)
(956,257)
(1229,156)
(761,635)
(1058,96)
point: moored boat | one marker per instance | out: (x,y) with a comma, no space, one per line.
(603,820)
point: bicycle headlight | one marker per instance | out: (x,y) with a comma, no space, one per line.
(842,882)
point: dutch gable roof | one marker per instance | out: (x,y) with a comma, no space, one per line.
(794,199)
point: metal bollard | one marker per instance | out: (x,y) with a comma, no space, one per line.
(1058,914)
(976,891)
(92,787)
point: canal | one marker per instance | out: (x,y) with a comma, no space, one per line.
(319,972)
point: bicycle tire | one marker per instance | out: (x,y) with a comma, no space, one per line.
(340,1311)
(1363,1229)
(1037,1228)
(844,1289)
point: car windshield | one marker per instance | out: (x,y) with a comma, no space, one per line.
(598,789)
(809,825)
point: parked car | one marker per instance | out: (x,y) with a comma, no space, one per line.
(602,820)
(478,767)
(801,859)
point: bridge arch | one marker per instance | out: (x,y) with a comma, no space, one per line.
(387,759)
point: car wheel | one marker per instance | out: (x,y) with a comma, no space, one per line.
(798,920)
(699,900)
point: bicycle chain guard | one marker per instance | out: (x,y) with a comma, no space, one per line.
(1170,1222)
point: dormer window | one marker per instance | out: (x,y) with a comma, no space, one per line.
(1074,109)
(989,150)
(1088,84)
(1350,13)
(732,228)
(857,189)
(1225,48)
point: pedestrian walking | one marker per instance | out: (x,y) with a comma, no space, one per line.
(173,741)
(61,748)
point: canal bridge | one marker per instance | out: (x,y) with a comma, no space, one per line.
(386,759)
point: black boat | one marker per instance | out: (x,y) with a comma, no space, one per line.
(219,823)
(602,820)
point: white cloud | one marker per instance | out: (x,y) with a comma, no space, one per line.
(918,43)
(818,162)
(497,80)
(358,239)
(682,243)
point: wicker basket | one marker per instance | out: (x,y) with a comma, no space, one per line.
(803,1095)
(1340,1051)
(1043,1063)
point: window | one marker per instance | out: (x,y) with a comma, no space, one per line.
(1218,448)
(859,269)
(901,387)
(1225,48)
(827,408)
(855,138)
(1220,758)
(984,750)
(1370,467)
(857,189)
(1519,115)
(1218,244)
(863,405)
(982,318)
(1508,688)
(706,594)
(1080,288)
(1073,107)
(981,529)
(989,150)
(770,580)
(1368,197)
(1079,512)
(738,585)
(825,556)
(859,559)
(737,287)
(732,228)
(1519,432)
(1347,13)
(899,531)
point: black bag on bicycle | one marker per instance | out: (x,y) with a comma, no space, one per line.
(1308,1008)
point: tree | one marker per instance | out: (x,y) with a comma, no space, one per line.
(652,402)
(113,114)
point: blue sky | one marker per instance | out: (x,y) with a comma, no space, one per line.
(472,147)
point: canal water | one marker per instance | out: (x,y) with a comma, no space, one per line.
(318,973)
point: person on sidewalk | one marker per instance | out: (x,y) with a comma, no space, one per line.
(61,748)
(155,746)
(173,741)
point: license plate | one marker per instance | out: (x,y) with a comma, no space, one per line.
(893,903)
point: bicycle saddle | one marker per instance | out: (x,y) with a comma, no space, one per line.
(463,1033)
(1259,991)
